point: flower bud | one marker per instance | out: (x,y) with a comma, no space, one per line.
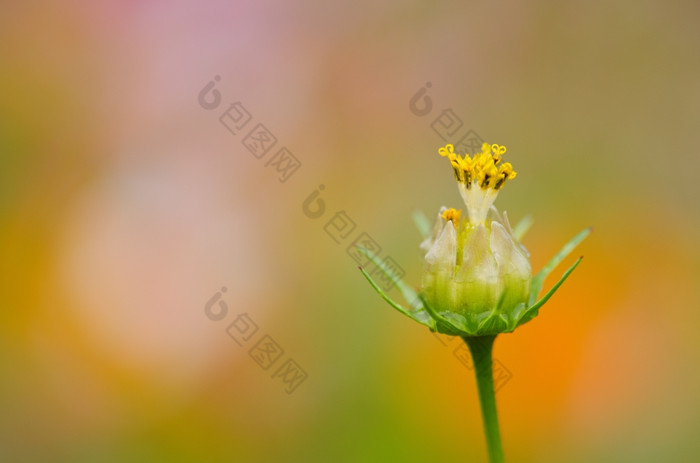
(471,269)
(477,279)
(476,265)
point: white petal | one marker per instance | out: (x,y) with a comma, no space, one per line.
(443,253)
(506,223)
(477,261)
(521,247)
(495,215)
(508,255)
(439,222)
(478,202)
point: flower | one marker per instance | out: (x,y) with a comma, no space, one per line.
(476,264)
(477,278)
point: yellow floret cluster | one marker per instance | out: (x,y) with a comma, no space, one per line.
(452,215)
(484,169)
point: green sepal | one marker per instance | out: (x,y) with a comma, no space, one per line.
(516,315)
(418,312)
(522,227)
(447,322)
(413,315)
(532,311)
(422,223)
(486,322)
(471,324)
(538,280)
(493,324)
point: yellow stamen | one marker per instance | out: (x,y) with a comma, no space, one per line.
(498,152)
(483,168)
(452,215)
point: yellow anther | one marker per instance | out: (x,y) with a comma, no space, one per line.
(507,170)
(497,152)
(498,149)
(490,177)
(479,176)
(459,173)
(449,151)
(483,168)
(452,215)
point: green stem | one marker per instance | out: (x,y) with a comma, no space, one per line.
(481,348)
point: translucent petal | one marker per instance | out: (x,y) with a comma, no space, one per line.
(506,223)
(437,228)
(508,255)
(495,215)
(442,256)
(477,261)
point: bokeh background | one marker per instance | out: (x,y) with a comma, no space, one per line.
(125,206)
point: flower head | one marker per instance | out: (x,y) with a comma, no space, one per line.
(477,278)
(475,265)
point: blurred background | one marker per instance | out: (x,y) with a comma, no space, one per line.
(136,184)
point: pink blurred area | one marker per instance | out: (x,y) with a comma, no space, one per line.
(127,205)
